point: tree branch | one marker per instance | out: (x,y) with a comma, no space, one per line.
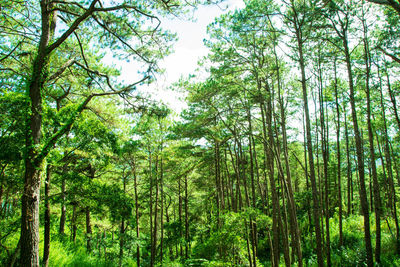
(67,126)
(12,51)
(72,28)
(395,5)
(62,69)
(392,56)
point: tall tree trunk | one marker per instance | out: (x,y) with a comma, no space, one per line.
(389,168)
(180,215)
(339,169)
(315,193)
(122,226)
(187,243)
(151,208)
(278,227)
(33,161)
(217,183)
(136,213)
(376,190)
(324,146)
(359,152)
(154,244)
(162,213)
(253,223)
(349,170)
(290,195)
(46,247)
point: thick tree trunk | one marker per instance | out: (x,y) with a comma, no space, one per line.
(30,217)
(33,161)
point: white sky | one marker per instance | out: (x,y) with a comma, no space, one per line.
(188,50)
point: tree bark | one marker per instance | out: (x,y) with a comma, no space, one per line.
(33,162)
(46,247)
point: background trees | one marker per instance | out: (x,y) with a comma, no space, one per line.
(277,160)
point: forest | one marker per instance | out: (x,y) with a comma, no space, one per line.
(287,153)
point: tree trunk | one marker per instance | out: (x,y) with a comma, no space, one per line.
(33,161)
(154,237)
(253,223)
(339,169)
(162,206)
(315,193)
(359,153)
(73,222)
(349,170)
(187,244)
(136,214)
(46,247)
(376,190)
(63,208)
(151,208)
(122,227)
(324,146)
(290,195)
(88,230)
(389,168)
